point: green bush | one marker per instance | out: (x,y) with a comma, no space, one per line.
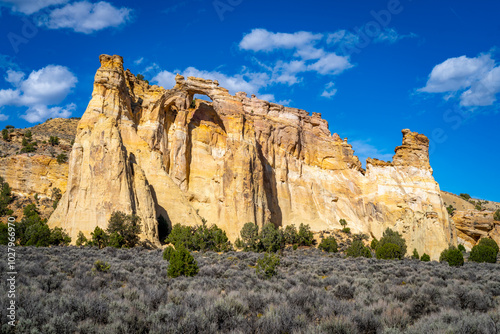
(199,238)
(54,140)
(425,258)
(374,244)
(81,240)
(28,135)
(451,210)
(123,230)
(29,148)
(5,198)
(182,263)
(482,253)
(343,223)
(250,237)
(62,158)
(59,237)
(167,252)
(267,266)
(271,238)
(209,239)
(389,251)
(306,237)
(56,197)
(415,254)
(490,243)
(99,238)
(180,235)
(465,196)
(392,237)
(290,235)
(461,248)
(453,256)
(329,244)
(496,215)
(358,249)
(346,230)
(5,135)
(100,266)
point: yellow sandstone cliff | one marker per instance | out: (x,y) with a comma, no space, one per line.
(150,151)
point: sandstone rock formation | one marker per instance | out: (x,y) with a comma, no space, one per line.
(29,174)
(152,151)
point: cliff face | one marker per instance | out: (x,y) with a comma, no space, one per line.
(29,174)
(237,159)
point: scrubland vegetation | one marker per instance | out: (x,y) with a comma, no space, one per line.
(60,291)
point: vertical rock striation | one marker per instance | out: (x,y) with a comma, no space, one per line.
(147,150)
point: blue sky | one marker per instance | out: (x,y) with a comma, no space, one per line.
(371,68)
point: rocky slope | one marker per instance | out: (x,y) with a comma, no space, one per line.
(237,159)
(473,221)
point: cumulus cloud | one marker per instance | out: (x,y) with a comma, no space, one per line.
(363,150)
(29,7)
(47,86)
(329,91)
(263,40)
(475,80)
(331,64)
(86,17)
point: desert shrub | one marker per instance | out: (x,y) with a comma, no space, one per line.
(451,210)
(123,230)
(5,135)
(358,249)
(5,198)
(54,140)
(56,197)
(182,263)
(167,253)
(483,253)
(81,240)
(267,266)
(389,251)
(180,235)
(306,237)
(490,243)
(99,238)
(496,215)
(453,256)
(465,196)
(344,290)
(329,244)
(461,248)
(62,158)
(290,235)
(59,237)
(393,237)
(374,244)
(250,237)
(270,237)
(209,239)
(425,258)
(415,254)
(101,266)
(28,135)
(346,230)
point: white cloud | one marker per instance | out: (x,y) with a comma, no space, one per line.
(391,36)
(343,36)
(303,53)
(40,113)
(246,82)
(29,7)
(86,17)
(363,150)
(331,64)
(263,40)
(139,61)
(47,86)
(329,91)
(475,80)
(3,117)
